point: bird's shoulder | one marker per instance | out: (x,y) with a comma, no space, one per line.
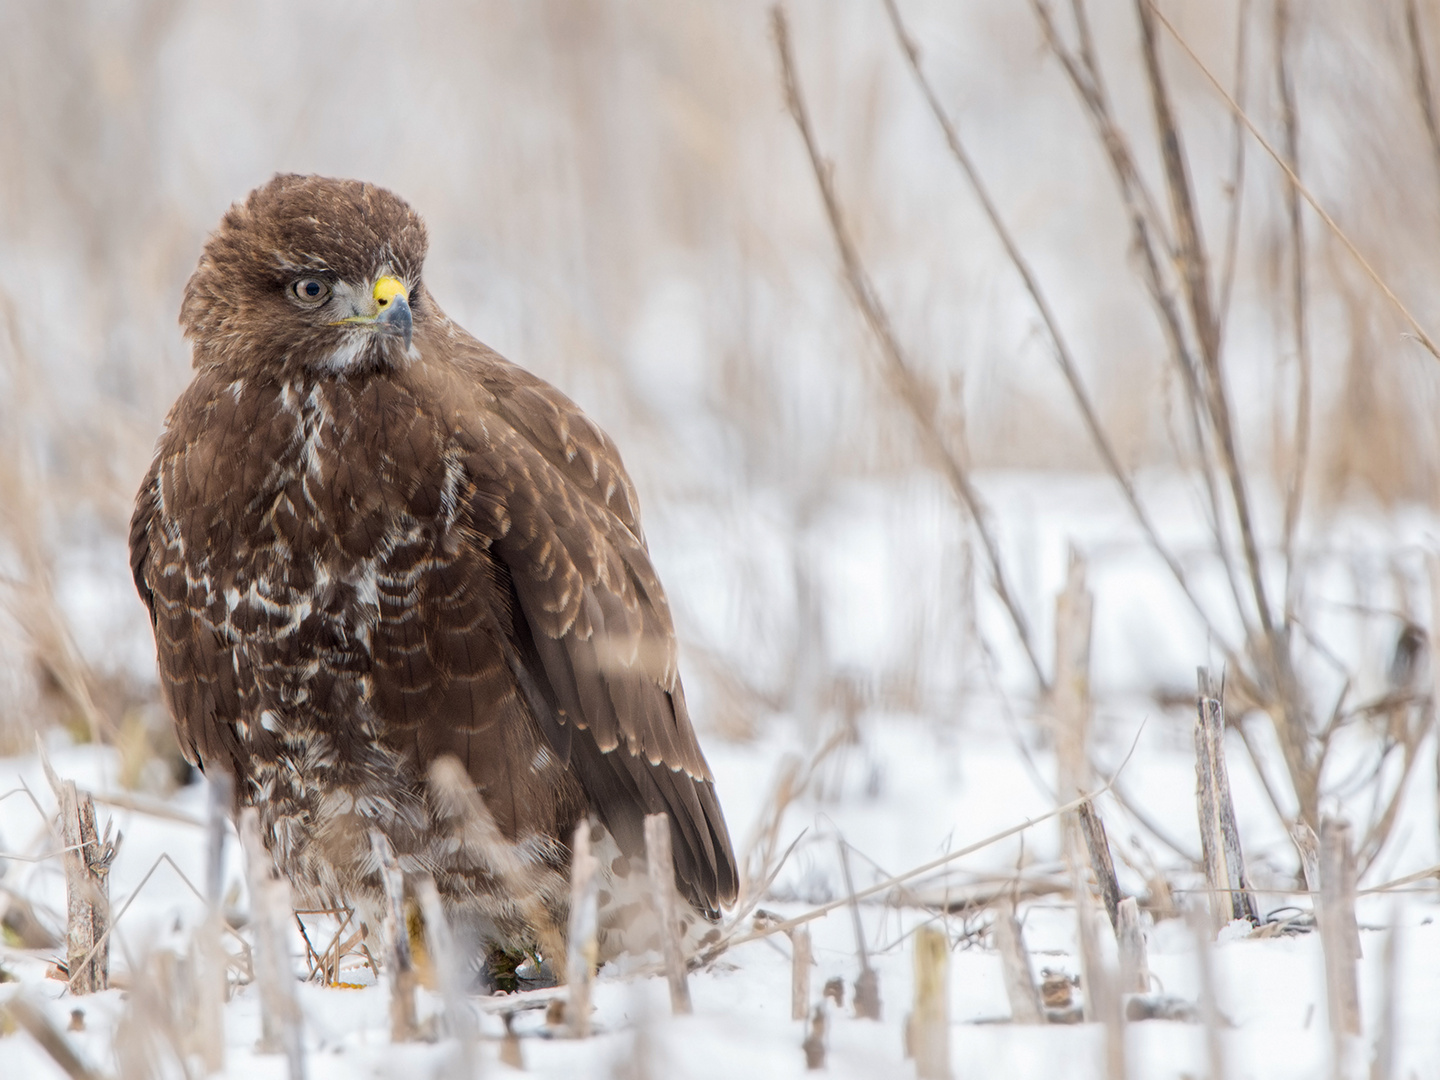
(523,430)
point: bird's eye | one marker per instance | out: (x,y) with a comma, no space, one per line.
(310,290)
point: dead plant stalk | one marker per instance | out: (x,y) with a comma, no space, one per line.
(898,371)
(1305,193)
(1060,348)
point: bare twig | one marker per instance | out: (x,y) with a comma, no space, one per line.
(1194,273)
(1156,251)
(1064,358)
(1295,489)
(1153,827)
(1345,241)
(899,372)
(1421,71)
(1237,167)
(150,807)
(785,925)
(1379,830)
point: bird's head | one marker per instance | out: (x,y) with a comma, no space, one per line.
(309,272)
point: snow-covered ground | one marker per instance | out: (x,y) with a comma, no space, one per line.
(964,760)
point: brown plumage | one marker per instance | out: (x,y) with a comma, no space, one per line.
(367,542)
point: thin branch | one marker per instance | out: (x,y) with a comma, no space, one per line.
(1061,349)
(1155,250)
(1421,73)
(785,925)
(1370,271)
(1237,169)
(901,375)
(1195,275)
(1295,490)
(1292,725)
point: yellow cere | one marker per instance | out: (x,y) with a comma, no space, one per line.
(387,288)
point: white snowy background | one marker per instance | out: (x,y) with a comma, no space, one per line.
(618,199)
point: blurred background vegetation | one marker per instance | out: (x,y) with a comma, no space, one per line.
(618,200)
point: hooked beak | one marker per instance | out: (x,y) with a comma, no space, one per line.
(392,311)
(394,315)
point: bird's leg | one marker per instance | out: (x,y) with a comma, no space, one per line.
(500,967)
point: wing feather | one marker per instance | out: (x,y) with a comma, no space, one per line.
(594,648)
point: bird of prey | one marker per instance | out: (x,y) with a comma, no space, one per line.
(370,545)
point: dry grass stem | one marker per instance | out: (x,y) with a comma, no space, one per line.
(1064,357)
(1156,252)
(87,887)
(785,925)
(1295,489)
(1101,994)
(218,827)
(446,955)
(581,946)
(801,961)
(1236,183)
(1345,241)
(1070,695)
(456,796)
(174,1013)
(1134,959)
(1219,834)
(1020,988)
(1339,934)
(661,867)
(281,1029)
(927,1030)
(867,983)
(1194,274)
(1415,39)
(1308,846)
(900,376)
(1098,847)
(400,967)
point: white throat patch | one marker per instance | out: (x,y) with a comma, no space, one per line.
(344,358)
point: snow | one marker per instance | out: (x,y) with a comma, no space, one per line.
(967,761)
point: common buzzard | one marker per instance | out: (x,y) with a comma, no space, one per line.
(369,543)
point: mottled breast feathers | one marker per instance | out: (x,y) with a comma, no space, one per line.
(360,560)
